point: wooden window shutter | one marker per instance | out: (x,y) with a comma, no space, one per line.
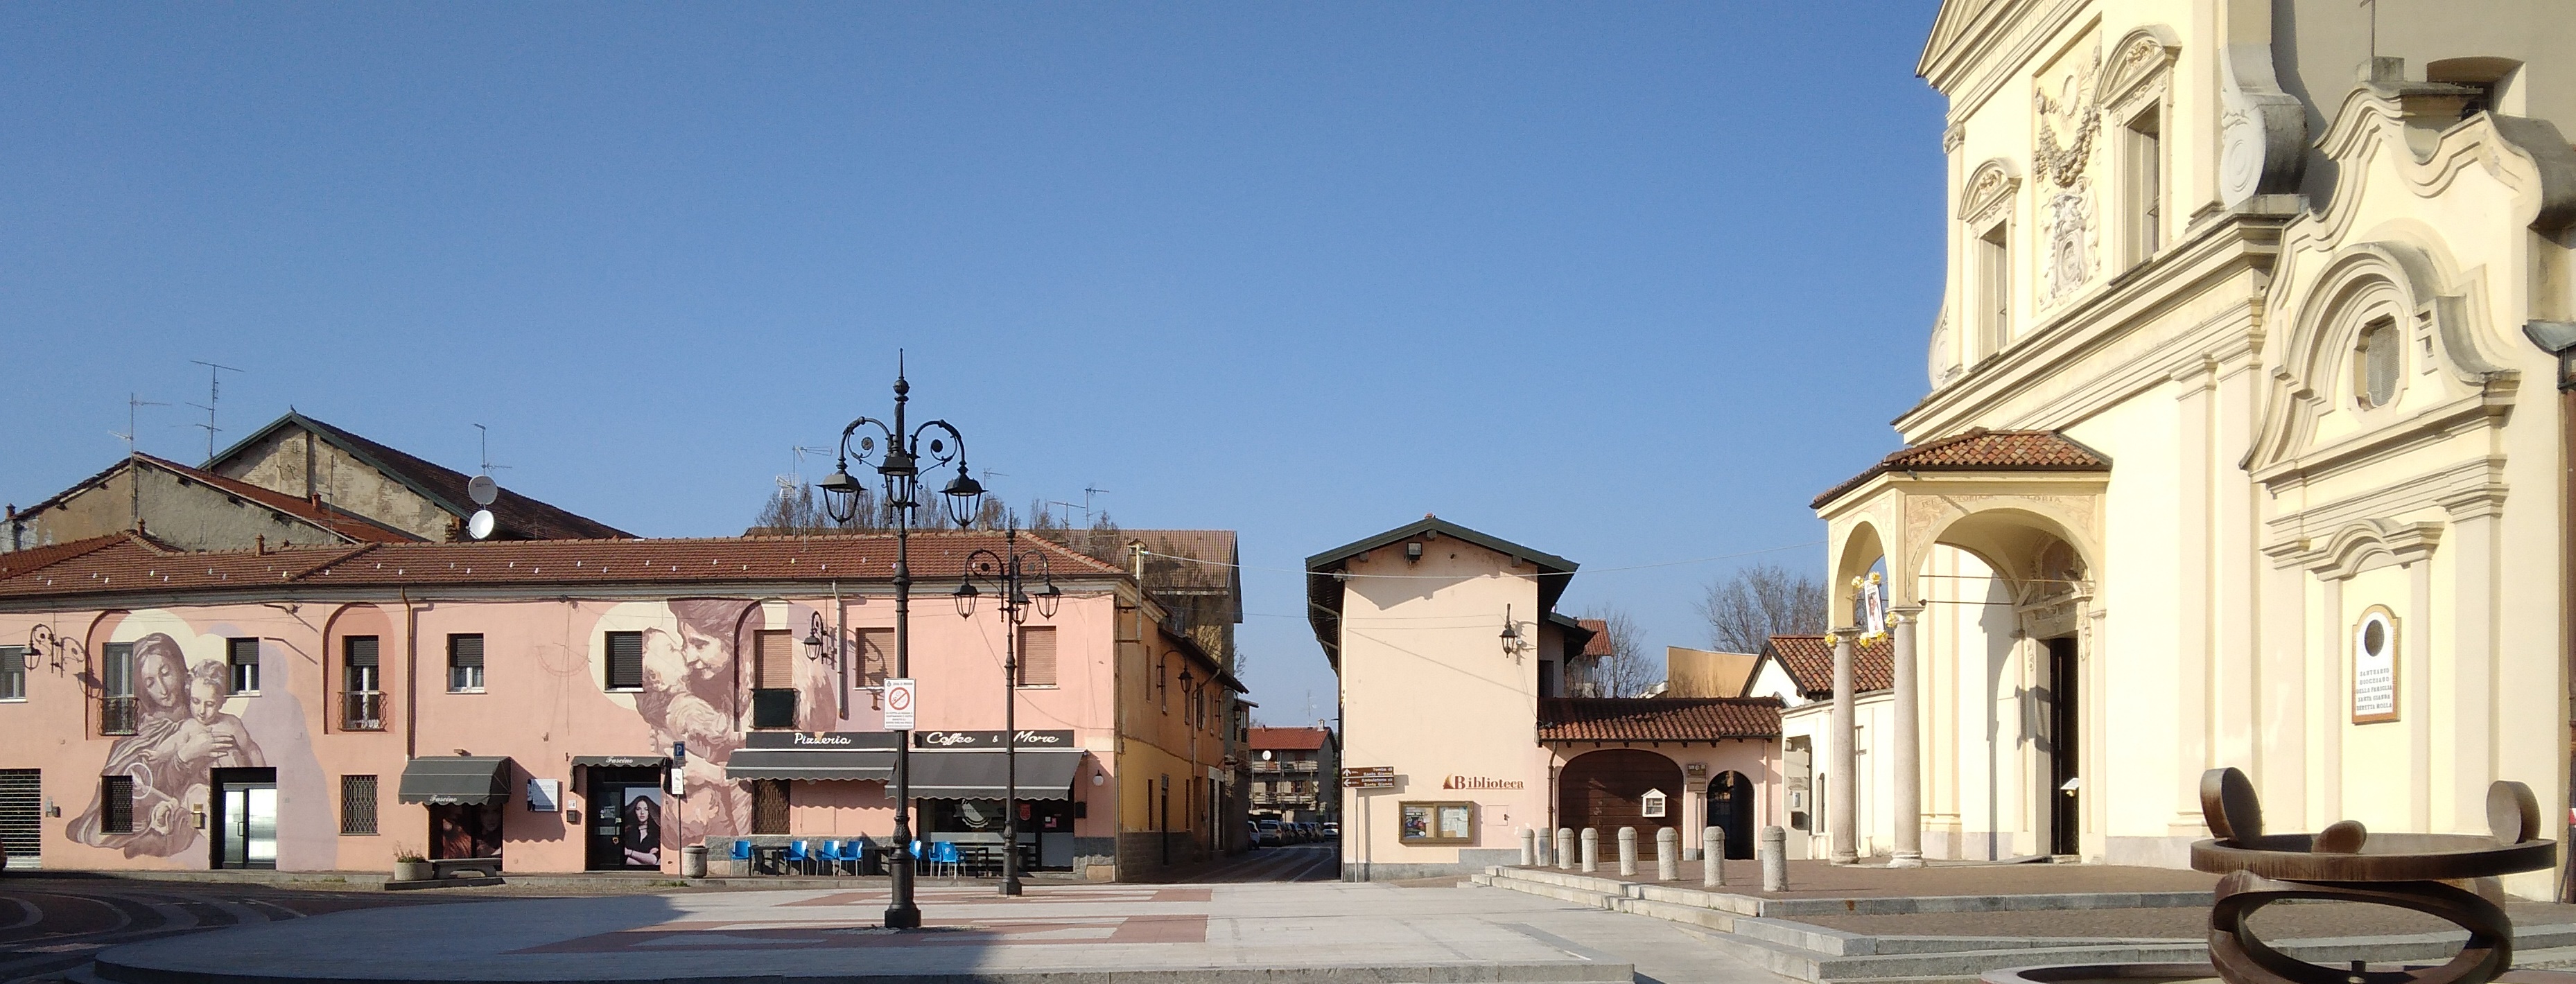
(1037,656)
(774,668)
(876,656)
(625,660)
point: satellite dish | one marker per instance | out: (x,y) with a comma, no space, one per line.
(479,526)
(483,490)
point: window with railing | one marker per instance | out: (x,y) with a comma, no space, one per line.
(116,712)
(362,696)
(357,805)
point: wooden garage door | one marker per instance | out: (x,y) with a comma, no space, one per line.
(1607,789)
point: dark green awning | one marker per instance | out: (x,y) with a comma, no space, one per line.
(457,780)
(1042,775)
(810,763)
(621,761)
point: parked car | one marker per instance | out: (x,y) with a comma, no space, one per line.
(1268,834)
(1252,829)
(1313,833)
(1332,830)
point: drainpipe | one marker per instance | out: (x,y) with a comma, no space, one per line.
(2558,338)
(411,679)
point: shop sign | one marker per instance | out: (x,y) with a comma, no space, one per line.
(992,739)
(1369,777)
(1479,782)
(820,741)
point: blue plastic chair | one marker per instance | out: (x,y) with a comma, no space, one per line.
(945,853)
(855,854)
(742,853)
(797,855)
(831,856)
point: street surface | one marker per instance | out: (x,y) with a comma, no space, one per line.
(49,925)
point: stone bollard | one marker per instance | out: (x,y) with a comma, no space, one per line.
(1668,850)
(1529,847)
(1712,857)
(1627,852)
(1775,859)
(1564,848)
(1591,850)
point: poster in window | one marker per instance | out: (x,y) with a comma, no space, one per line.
(1436,823)
(2374,667)
(1417,821)
(639,827)
(1455,821)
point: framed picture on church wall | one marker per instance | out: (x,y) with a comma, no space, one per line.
(2374,666)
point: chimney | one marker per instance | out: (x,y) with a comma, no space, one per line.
(259,544)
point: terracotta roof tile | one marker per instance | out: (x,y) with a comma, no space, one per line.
(1657,718)
(1980,449)
(936,556)
(1810,663)
(1599,643)
(19,562)
(1287,739)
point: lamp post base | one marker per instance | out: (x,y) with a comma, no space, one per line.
(1010,886)
(903,917)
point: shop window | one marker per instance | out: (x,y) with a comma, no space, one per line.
(769,806)
(1436,823)
(13,672)
(243,656)
(357,805)
(116,689)
(465,664)
(625,661)
(1037,656)
(116,804)
(2376,364)
(773,670)
(362,695)
(876,656)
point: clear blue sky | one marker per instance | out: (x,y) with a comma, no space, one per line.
(1624,282)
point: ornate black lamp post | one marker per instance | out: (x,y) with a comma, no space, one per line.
(1008,573)
(900,463)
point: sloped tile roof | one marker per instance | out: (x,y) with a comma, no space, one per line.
(21,561)
(1980,449)
(131,563)
(517,515)
(1287,739)
(1599,643)
(354,527)
(1810,663)
(1657,718)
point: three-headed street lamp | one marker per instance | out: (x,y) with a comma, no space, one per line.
(900,461)
(1008,573)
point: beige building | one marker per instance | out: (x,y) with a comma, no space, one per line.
(2240,447)
(1454,669)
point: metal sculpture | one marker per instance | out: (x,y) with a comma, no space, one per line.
(2346,863)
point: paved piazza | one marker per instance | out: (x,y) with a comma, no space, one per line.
(1318,931)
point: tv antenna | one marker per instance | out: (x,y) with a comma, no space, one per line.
(133,404)
(483,438)
(795,477)
(214,390)
(1089,492)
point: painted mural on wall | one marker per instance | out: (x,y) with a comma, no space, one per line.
(181,734)
(697,678)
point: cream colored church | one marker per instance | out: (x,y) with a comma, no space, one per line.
(2244,444)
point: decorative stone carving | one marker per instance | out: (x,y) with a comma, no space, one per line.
(1944,359)
(1952,136)
(2068,232)
(1988,187)
(2262,131)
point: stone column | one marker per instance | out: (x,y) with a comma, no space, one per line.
(1905,739)
(1843,795)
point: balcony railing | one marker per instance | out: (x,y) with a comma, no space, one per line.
(363,710)
(1301,766)
(116,715)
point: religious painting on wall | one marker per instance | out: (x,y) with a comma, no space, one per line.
(2374,667)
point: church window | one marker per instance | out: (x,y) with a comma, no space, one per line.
(1993,271)
(2145,186)
(2375,364)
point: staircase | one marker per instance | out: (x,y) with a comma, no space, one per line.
(1766,933)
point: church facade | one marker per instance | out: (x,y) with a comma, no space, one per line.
(2244,444)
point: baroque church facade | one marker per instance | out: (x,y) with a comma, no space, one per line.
(2245,443)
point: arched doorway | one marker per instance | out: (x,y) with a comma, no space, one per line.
(1730,808)
(1607,789)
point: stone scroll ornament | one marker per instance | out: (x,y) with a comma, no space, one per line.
(2345,863)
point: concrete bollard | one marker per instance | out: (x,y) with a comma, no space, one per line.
(1668,851)
(1712,857)
(1529,847)
(1591,850)
(1775,859)
(1564,848)
(1627,852)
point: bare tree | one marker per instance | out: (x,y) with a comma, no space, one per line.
(1755,603)
(799,510)
(1626,671)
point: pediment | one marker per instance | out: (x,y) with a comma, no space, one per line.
(1959,26)
(1988,187)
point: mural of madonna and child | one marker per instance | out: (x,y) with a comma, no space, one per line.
(181,735)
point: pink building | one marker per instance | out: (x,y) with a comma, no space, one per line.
(571,705)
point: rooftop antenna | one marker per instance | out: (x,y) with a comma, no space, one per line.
(214,391)
(483,437)
(133,403)
(1088,493)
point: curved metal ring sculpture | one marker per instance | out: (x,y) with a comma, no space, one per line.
(2346,863)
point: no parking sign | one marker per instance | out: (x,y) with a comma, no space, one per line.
(899,696)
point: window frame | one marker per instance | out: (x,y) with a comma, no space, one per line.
(350,694)
(1054,665)
(374,818)
(2144,181)
(243,675)
(1992,268)
(116,683)
(14,677)
(608,662)
(112,820)
(455,676)
(2363,348)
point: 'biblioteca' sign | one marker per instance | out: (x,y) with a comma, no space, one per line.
(1478,782)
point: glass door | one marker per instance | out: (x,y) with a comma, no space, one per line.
(249,825)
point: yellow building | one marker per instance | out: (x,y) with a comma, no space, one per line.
(2240,448)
